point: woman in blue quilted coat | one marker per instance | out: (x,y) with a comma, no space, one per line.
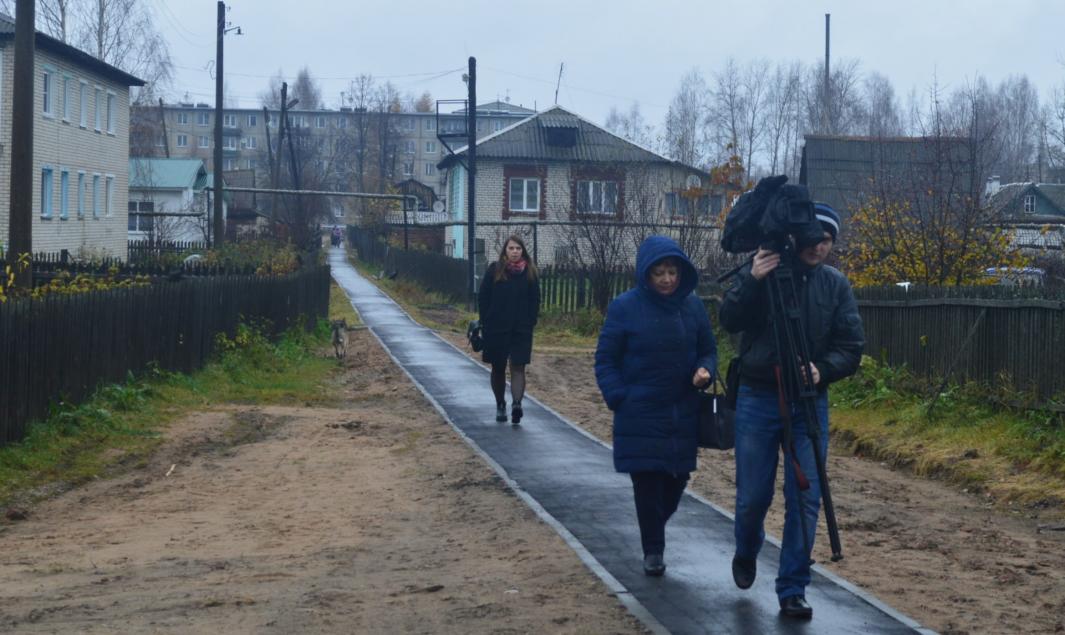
(656,348)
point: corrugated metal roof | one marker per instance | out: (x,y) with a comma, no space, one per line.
(527,140)
(167,174)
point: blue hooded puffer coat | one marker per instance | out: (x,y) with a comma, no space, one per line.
(649,348)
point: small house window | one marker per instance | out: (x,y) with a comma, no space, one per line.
(46,94)
(1029,204)
(597,197)
(524,195)
(46,192)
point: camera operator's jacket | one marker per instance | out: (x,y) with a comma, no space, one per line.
(829,314)
(649,348)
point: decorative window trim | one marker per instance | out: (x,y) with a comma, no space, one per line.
(83,104)
(519,171)
(64,193)
(1029,203)
(96,195)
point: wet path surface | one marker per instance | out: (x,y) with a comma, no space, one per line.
(568,477)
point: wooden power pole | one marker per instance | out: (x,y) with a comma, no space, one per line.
(20,217)
(219,224)
(471,178)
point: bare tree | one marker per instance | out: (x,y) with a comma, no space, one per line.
(685,121)
(782,115)
(631,126)
(842,113)
(123,34)
(1019,104)
(307,90)
(882,116)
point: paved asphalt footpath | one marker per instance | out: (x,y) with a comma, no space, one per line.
(568,478)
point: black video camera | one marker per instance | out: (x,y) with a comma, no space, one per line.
(768,215)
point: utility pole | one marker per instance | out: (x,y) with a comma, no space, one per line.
(270,164)
(828,77)
(471,179)
(20,217)
(219,196)
(162,120)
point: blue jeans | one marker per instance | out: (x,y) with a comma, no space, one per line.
(758,441)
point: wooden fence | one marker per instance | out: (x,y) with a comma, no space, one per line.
(992,335)
(436,272)
(62,347)
(151,250)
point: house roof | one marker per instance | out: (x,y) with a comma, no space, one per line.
(527,140)
(167,174)
(1006,200)
(499,108)
(49,43)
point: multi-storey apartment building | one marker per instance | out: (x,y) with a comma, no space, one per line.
(80,147)
(185,130)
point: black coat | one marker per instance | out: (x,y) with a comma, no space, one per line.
(508,311)
(830,316)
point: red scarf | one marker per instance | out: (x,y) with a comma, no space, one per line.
(515,268)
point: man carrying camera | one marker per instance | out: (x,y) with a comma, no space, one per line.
(833,330)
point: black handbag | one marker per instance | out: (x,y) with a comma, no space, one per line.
(475,335)
(716,429)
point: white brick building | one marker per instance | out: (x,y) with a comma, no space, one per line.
(557,167)
(80,147)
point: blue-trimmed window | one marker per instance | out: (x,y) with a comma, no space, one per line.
(47,186)
(81,195)
(64,194)
(96,196)
(48,92)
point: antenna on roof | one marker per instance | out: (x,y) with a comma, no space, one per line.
(560,67)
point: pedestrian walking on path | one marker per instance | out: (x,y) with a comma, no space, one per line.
(655,349)
(835,339)
(509,306)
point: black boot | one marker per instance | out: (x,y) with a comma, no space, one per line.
(796,606)
(744,571)
(653,565)
(515,413)
(501,412)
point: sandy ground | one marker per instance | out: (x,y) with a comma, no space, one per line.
(374,517)
(951,560)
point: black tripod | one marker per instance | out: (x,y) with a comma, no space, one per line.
(795,385)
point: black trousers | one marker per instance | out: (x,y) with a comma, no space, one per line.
(657,496)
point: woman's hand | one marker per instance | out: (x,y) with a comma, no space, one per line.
(701,378)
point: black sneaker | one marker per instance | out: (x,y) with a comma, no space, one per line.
(501,412)
(653,565)
(744,571)
(515,414)
(796,606)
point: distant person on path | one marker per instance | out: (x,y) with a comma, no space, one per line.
(835,339)
(509,306)
(338,236)
(655,349)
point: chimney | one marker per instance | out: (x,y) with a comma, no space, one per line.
(993,186)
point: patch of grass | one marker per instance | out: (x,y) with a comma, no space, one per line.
(340,306)
(122,423)
(970,437)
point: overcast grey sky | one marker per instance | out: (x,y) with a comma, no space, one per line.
(615,53)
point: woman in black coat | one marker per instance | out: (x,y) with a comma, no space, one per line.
(509,305)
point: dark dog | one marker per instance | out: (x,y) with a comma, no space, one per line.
(340,337)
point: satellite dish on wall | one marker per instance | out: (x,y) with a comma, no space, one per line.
(438,206)
(693,181)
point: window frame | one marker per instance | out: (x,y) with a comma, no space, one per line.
(1029,203)
(64,193)
(111,98)
(96,195)
(48,91)
(47,191)
(83,104)
(81,193)
(109,195)
(526,182)
(97,121)
(594,184)
(182,118)
(182,141)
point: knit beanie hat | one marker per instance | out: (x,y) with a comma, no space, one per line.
(828,217)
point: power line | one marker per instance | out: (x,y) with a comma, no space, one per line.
(434,74)
(552,82)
